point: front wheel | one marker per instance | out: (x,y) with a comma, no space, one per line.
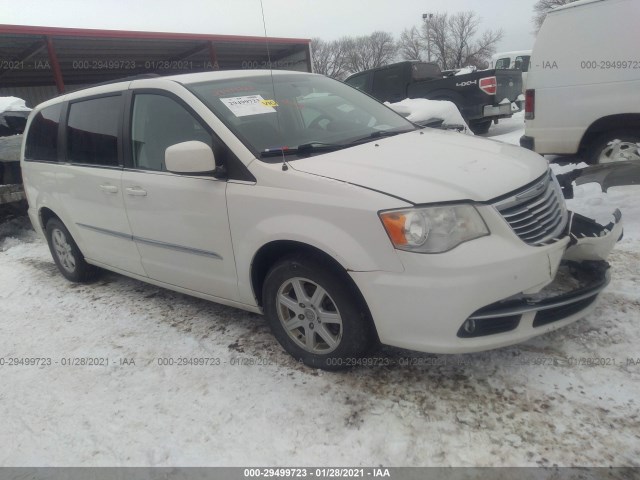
(615,146)
(316,313)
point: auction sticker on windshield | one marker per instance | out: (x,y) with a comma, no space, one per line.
(249,105)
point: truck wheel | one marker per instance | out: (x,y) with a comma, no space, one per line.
(315,314)
(481,127)
(615,146)
(66,253)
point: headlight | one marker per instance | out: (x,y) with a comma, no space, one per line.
(433,229)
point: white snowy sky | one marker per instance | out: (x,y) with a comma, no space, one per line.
(328,19)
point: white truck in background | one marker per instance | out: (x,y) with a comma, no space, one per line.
(516,60)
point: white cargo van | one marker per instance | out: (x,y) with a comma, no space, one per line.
(583,88)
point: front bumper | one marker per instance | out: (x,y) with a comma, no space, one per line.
(491,292)
(574,289)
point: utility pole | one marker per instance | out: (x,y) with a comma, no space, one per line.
(427,20)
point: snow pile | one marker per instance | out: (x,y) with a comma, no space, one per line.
(420,109)
(465,70)
(589,200)
(566,168)
(13,104)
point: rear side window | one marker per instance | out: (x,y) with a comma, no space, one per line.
(42,138)
(92,131)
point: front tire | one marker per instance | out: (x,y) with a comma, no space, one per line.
(66,253)
(316,313)
(615,146)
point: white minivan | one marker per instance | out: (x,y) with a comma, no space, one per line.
(297,196)
(583,87)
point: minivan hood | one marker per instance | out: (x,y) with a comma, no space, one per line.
(430,165)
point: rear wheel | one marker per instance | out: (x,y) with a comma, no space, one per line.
(66,253)
(480,127)
(615,146)
(316,314)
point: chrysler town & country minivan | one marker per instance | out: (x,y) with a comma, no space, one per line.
(301,198)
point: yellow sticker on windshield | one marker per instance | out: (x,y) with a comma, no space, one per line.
(269,103)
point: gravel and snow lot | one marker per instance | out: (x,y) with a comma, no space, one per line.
(530,404)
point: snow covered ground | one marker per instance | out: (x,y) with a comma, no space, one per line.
(531,404)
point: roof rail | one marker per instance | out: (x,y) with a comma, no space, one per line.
(130,78)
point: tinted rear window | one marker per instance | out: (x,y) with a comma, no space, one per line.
(42,138)
(92,131)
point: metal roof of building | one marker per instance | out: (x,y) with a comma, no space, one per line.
(35,56)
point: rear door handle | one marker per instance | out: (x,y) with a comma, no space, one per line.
(109,188)
(136,192)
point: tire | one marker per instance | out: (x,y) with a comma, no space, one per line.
(329,328)
(66,254)
(480,128)
(601,152)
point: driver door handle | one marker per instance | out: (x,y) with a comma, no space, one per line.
(136,192)
(105,187)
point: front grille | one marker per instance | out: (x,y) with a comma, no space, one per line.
(537,214)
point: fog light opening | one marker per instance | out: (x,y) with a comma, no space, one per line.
(469,326)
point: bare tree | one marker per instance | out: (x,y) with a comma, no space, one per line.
(411,44)
(370,51)
(462,27)
(329,58)
(455,41)
(438,33)
(542,7)
(384,48)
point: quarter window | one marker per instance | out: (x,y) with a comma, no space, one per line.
(42,139)
(92,131)
(159,122)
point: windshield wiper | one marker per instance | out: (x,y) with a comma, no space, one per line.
(302,149)
(379,134)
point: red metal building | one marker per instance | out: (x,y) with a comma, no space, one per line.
(38,63)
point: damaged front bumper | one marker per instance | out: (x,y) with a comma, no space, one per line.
(583,273)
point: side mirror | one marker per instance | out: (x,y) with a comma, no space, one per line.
(190,157)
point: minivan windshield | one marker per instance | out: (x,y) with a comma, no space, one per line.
(308,114)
